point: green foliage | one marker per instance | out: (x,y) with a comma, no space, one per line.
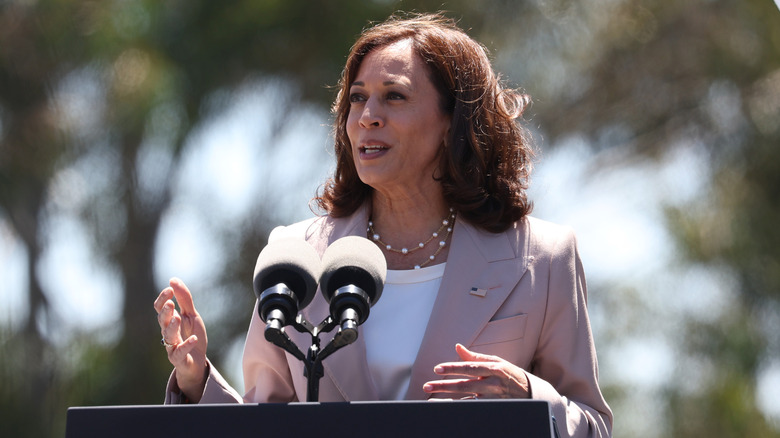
(725,409)
(639,76)
(153,69)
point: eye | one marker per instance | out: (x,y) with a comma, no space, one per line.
(394,95)
(356,97)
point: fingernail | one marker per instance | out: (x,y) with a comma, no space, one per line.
(427,387)
(438,369)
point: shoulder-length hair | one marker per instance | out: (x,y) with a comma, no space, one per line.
(485,166)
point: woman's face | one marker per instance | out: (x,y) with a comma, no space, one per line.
(395,124)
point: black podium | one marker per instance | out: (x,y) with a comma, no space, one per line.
(405,419)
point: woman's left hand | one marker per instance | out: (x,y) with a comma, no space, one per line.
(485,376)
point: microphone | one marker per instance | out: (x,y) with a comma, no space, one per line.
(285,280)
(353,276)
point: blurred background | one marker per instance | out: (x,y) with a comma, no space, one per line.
(141,140)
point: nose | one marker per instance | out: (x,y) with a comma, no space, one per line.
(371,115)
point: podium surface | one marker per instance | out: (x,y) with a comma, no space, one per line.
(405,419)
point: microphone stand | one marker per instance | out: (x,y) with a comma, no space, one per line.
(312,361)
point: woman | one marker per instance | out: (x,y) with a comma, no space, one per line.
(431,166)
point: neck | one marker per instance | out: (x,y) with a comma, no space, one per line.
(406,223)
(407,218)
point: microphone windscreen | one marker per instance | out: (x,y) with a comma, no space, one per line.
(353,260)
(290,261)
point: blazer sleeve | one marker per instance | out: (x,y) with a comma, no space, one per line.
(217,389)
(266,375)
(564,370)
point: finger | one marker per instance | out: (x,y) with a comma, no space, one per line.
(489,387)
(453,386)
(165,295)
(469,369)
(172,332)
(178,354)
(183,296)
(472,356)
(165,314)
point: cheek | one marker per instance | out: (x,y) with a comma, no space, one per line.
(444,123)
(435,131)
(351,126)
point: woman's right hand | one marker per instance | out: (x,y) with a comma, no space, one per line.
(185,334)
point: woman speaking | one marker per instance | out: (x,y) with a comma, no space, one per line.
(481,299)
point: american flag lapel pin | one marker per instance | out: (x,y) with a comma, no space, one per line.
(478,292)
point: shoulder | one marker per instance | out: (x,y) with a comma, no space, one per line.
(554,246)
(528,237)
(321,231)
(315,231)
(546,239)
(298,230)
(548,234)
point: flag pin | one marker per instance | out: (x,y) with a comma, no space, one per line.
(478,292)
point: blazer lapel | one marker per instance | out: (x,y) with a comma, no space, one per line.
(491,265)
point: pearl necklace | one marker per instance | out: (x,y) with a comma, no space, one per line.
(446,227)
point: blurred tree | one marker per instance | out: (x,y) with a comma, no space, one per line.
(117,87)
(665,74)
(98,85)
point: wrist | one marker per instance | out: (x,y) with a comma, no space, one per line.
(192,389)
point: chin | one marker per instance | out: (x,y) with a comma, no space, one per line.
(370,178)
(371,182)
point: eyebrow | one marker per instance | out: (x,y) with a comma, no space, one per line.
(363,84)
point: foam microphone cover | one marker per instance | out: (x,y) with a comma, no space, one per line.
(353,260)
(290,261)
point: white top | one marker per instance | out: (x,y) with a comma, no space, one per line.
(395,327)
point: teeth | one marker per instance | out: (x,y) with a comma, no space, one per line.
(372,149)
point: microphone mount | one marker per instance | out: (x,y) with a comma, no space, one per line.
(278,305)
(349,319)
(350,306)
(351,276)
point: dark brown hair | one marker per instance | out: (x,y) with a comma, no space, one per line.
(487,158)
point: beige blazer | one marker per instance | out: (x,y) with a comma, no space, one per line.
(520,295)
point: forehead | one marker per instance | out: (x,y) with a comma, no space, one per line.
(393,61)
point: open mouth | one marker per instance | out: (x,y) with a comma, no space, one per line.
(372,149)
